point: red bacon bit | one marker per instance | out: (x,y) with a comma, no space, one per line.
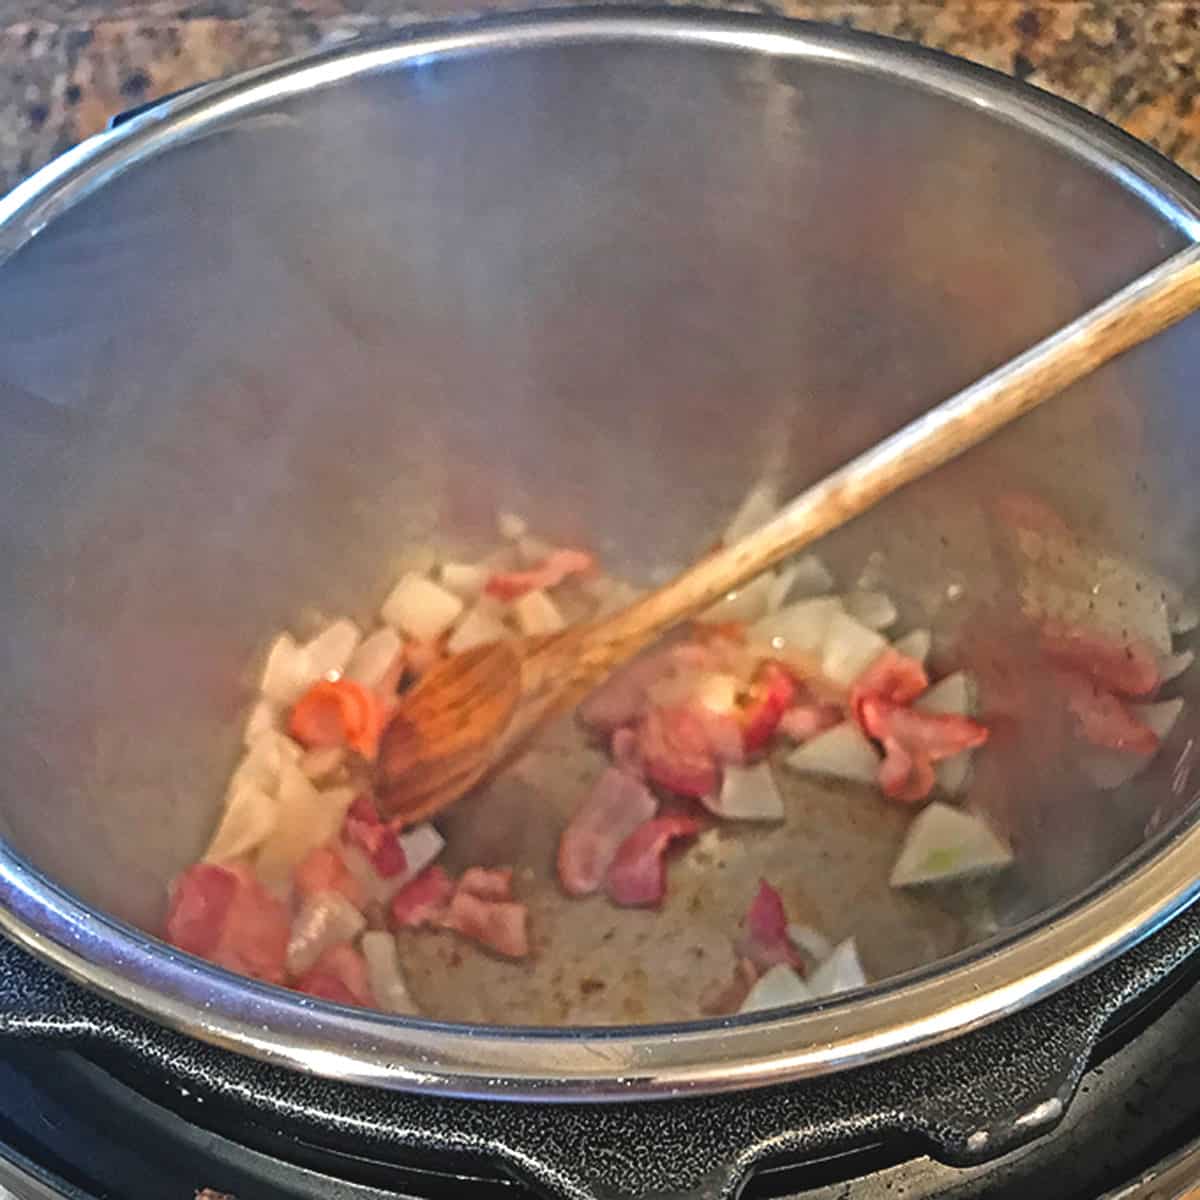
(804,721)
(1103,719)
(766,942)
(560,565)
(611,811)
(365,829)
(1128,668)
(892,677)
(677,753)
(498,925)
(771,692)
(423,900)
(223,914)
(324,870)
(488,883)
(912,742)
(637,877)
(339,975)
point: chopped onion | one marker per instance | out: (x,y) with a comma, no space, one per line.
(850,648)
(748,603)
(263,760)
(263,718)
(286,674)
(371,662)
(814,944)
(480,627)
(747,794)
(330,651)
(420,608)
(307,819)
(843,752)
(780,987)
(915,645)
(945,843)
(840,972)
(537,614)
(320,764)
(1174,665)
(1160,716)
(1182,617)
(952,696)
(800,628)
(421,845)
(511,526)
(756,510)
(324,920)
(1111,769)
(383,971)
(465,580)
(874,609)
(248,820)
(802,579)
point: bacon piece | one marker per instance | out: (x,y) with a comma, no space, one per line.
(557,566)
(637,877)
(766,942)
(623,699)
(423,900)
(324,870)
(722,999)
(1103,719)
(339,975)
(1128,668)
(677,753)
(912,742)
(223,914)
(488,883)
(893,677)
(366,829)
(771,692)
(611,811)
(499,925)
(804,721)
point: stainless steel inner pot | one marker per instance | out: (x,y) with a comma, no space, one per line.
(606,270)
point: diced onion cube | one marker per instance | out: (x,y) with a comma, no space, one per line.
(376,656)
(945,843)
(537,614)
(843,752)
(325,919)
(286,674)
(383,972)
(420,608)
(747,794)
(780,987)
(465,580)
(248,820)
(480,627)
(330,651)
(850,648)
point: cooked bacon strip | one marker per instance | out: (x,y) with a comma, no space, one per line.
(422,900)
(499,925)
(771,692)
(893,677)
(1103,719)
(339,975)
(616,806)
(766,942)
(560,565)
(366,829)
(1128,668)
(638,875)
(325,870)
(488,883)
(677,751)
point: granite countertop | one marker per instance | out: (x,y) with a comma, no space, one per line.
(67,65)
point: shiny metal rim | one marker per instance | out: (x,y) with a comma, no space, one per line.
(620,1064)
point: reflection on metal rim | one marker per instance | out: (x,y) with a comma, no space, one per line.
(917,1010)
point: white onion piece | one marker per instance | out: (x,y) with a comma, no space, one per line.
(371,662)
(850,648)
(780,987)
(915,645)
(247,822)
(537,614)
(945,843)
(953,774)
(842,971)
(307,819)
(383,972)
(286,673)
(1109,769)
(323,762)
(263,759)
(952,696)
(1182,617)
(747,794)
(801,627)
(810,578)
(875,610)
(326,919)
(843,752)
(480,627)
(263,718)
(814,944)
(1159,716)
(1174,665)
(421,845)
(465,580)
(748,603)
(330,651)
(511,526)
(759,506)
(420,608)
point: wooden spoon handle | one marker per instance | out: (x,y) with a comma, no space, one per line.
(1146,307)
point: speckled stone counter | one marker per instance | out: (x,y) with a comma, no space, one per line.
(67,65)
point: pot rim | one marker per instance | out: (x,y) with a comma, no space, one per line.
(918,1009)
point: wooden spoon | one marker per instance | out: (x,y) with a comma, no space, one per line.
(471,713)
